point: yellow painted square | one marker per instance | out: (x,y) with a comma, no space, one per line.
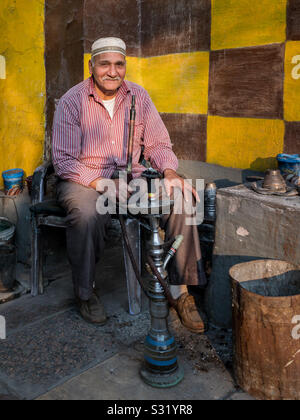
(246,143)
(22,85)
(177,83)
(134,71)
(292,81)
(86,73)
(245,23)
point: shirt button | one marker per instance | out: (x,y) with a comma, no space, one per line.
(112,142)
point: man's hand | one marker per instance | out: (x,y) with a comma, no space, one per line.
(94,183)
(123,191)
(172,180)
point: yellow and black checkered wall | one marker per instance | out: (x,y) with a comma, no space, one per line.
(224,74)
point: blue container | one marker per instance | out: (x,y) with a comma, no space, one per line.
(13,178)
(289,164)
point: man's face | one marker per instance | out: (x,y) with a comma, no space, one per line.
(109,71)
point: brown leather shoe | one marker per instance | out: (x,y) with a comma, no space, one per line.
(92,310)
(190,315)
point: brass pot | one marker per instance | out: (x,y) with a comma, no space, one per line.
(274,181)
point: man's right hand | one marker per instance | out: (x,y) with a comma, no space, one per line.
(123,191)
(94,183)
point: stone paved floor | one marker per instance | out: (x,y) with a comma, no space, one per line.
(50,353)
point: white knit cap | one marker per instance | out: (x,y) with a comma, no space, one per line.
(104,45)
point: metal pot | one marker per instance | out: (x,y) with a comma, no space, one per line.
(7,231)
(7,255)
(274,181)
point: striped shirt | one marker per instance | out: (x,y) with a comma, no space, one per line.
(88,144)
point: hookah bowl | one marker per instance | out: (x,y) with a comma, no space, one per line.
(160,368)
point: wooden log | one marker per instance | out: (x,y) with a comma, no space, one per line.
(266,330)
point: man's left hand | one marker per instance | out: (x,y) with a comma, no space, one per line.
(173,180)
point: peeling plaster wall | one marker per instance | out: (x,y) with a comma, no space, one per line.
(63,53)
(204,79)
(168,53)
(22,84)
(224,74)
(119,18)
(200,75)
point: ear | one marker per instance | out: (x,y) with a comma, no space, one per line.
(90,67)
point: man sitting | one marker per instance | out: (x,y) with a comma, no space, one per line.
(90,135)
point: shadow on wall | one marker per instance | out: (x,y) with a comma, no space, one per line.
(264,163)
(226,182)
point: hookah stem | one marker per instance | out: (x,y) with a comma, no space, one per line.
(131,136)
(164,285)
(133,262)
(172,302)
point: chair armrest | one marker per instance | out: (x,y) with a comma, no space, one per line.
(39,181)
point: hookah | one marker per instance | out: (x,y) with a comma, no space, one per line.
(160,368)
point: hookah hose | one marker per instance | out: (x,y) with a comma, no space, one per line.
(164,285)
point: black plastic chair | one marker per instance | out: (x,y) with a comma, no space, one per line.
(47,212)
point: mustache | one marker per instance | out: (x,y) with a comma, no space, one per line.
(112,79)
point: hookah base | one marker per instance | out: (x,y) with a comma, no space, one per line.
(163,380)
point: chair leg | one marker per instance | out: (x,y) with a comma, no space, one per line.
(133,287)
(41,262)
(36,277)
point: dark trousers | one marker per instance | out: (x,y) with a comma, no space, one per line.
(87,232)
